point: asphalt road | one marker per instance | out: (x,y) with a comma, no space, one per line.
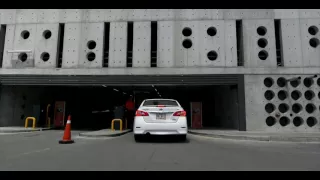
(41,151)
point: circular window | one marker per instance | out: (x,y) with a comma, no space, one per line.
(284,121)
(47,34)
(262,42)
(91,56)
(23,57)
(270,121)
(308,82)
(282,95)
(310,108)
(296,108)
(212,31)
(45,56)
(187,43)
(295,83)
(297,121)
(187,32)
(283,108)
(91,44)
(269,108)
(313,30)
(268,82)
(25,34)
(263,55)
(295,94)
(262,30)
(309,95)
(212,55)
(281,82)
(269,95)
(311,121)
(314,42)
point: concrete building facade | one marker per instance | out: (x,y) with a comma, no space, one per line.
(273,55)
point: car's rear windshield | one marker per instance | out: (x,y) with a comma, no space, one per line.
(160,102)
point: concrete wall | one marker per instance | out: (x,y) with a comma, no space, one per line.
(17,103)
(284,100)
(86,25)
(299,33)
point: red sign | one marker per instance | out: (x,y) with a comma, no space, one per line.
(59,113)
(196,115)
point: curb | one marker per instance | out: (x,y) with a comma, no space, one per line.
(109,135)
(24,130)
(261,138)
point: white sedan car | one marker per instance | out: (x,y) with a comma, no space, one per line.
(160,117)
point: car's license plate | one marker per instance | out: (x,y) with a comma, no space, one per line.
(161,116)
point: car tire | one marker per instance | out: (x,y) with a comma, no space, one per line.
(137,138)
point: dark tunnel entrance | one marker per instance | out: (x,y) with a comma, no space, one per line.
(92,108)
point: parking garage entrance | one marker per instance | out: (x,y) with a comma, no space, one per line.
(210,102)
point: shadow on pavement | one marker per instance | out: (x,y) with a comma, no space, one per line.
(163,139)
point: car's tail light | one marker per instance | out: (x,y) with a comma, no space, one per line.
(180,113)
(161,106)
(141,113)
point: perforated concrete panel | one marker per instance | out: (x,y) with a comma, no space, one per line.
(93,15)
(8,46)
(267,57)
(291,43)
(211,43)
(27,16)
(165,44)
(198,14)
(140,14)
(48,15)
(71,45)
(7,16)
(309,13)
(70,15)
(187,56)
(286,14)
(248,13)
(24,39)
(230,43)
(310,42)
(46,45)
(141,44)
(118,44)
(91,53)
(275,106)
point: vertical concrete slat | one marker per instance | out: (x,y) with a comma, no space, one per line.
(141,44)
(71,45)
(91,32)
(44,45)
(118,44)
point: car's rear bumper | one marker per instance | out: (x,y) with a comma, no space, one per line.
(178,128)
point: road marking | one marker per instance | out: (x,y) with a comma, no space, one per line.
(31,152)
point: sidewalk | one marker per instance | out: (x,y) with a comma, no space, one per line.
(20,129)
(259,136)
(104,133)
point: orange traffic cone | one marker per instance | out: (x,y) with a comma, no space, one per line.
(67,133)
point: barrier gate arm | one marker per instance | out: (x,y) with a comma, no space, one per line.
(112,124)
(33,123)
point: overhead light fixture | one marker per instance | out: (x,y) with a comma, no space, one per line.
(116,90)
(124,93)
(152,85)
(104,86)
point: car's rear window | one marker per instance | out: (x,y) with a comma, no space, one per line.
(160,102)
